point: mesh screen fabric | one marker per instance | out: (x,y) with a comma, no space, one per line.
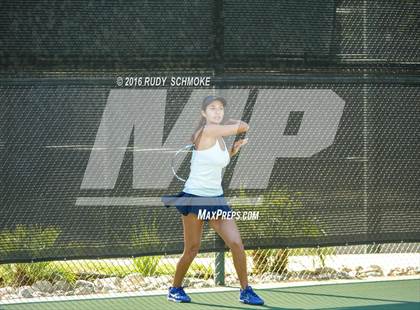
(361,188)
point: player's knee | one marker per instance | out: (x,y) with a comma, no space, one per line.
(236,245)
(191,251)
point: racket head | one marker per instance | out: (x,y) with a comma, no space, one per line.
(187,148)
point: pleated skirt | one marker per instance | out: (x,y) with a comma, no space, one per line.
(189,203)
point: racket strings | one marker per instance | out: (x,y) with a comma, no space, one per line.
(183,149)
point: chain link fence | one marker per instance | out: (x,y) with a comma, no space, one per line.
(150,274)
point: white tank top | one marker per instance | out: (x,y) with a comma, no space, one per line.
(205,177)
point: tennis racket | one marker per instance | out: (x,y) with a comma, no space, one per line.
(187,148)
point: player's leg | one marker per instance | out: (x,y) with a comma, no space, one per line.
(193,228)
(228,231)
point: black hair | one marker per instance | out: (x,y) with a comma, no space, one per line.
(204,104)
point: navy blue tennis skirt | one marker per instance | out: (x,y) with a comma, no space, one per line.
(189,203)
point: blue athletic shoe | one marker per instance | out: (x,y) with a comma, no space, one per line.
(248,296)
(177,294)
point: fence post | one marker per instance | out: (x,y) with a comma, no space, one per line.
(219,268)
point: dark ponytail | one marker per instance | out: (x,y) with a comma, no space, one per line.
(201,124)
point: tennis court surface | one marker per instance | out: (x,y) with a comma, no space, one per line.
(395,294)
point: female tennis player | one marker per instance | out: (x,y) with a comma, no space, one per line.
(209,157)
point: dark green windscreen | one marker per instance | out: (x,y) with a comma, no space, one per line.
(58,67)
(364,187)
